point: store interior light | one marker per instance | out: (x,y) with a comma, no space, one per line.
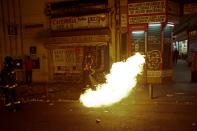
(170,24)
(137,32)
(154,24)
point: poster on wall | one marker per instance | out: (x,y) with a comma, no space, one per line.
(138,42)
(59,57)
(70,59)
(153,60)
(59,60)
(67,60)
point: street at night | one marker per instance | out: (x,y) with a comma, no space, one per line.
(127,115)
(98,65)
(172,107)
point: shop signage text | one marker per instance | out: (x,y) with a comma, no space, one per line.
(146,19)
(79,22)
(146,8)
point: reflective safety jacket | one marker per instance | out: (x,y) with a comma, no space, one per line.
(8,78)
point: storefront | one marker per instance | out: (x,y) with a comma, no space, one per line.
(67,59)
(72,39)
(185,36)
(150,33)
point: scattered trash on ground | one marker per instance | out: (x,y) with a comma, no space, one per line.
(98,120)
(169,95)
(51,104)
(179,93)
(188,102)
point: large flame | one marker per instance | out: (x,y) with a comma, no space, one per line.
(118,85)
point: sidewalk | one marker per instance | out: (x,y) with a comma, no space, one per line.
(180,90)
(165,93)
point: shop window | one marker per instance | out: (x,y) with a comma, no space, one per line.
(154,47)
(138,41)
(71,59)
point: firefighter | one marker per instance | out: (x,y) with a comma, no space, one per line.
(8,81)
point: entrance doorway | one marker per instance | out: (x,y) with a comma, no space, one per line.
(182,72)
(137,44)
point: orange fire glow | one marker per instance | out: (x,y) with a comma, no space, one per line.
(118,85)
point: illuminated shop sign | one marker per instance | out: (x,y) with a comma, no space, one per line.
(147,12)
(146,8)
(79,22)
(147,19)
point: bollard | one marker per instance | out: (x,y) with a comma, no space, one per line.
(150,91)
(47,91)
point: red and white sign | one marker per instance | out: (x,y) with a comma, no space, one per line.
(146,12)
(146,19)
(146,8)
(79,22)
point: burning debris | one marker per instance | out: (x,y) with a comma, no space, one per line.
(118,85)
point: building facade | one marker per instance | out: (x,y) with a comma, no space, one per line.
(77,29)
(59,34)
(150,31)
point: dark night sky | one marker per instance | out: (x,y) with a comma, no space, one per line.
(186,1)
(74,2)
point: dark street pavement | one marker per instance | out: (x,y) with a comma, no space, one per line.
(55,106)
(124,116)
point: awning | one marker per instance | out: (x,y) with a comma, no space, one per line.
(62,42)
(53,46)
